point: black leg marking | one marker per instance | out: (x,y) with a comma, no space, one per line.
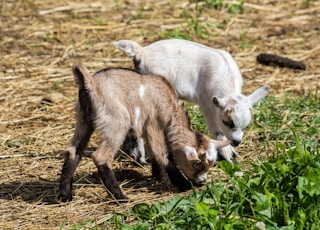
(176,177)
(159,172)
(65,187)
(109,180)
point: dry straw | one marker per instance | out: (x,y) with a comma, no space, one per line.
(40,41)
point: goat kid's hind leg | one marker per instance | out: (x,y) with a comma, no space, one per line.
(73,154)
(103,158)
(69,166)
(72,158)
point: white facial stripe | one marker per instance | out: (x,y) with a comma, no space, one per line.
(137,113)
(141,91)
(190,152)
(212,153)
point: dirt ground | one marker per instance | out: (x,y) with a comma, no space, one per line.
(39,42)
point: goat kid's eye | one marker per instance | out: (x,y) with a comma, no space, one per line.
(197,165)
(229,124)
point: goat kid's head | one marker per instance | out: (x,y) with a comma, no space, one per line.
(194,163)
(236,113)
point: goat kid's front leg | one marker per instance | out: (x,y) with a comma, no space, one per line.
(176,177)
(170,173)
(103,158)
(159,171)
(225,153)
(159,153)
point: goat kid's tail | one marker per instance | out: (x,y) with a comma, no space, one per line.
(87,86)
(83,78)
(131,48)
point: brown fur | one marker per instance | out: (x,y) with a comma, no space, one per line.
(114,101)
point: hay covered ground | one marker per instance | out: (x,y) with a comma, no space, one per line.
(40,41)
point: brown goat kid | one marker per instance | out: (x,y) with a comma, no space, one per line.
(114,101)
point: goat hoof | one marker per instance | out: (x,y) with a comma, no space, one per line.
(64,198)
(121,198)
(142,162)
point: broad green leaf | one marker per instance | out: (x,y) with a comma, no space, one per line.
(202,207)
(144,211)
(229,168)
(262,204)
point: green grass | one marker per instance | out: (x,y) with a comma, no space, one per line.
(232,7)
(195,27)
(279,121)
(281,192)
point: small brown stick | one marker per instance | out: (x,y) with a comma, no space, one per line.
(272,59)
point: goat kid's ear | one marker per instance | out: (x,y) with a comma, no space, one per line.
(191,154)
(219,144)
(131,48)
(259,94)
(219,102)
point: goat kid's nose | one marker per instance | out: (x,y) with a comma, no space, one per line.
(235,143)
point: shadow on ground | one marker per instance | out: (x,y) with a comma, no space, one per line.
(46,191)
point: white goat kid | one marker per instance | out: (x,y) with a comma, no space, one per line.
(114,101)
(205,76)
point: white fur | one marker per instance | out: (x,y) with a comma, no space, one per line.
(141,91)
(202,177)
(203,75)
(137,112)
(212,153)
(190,152)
